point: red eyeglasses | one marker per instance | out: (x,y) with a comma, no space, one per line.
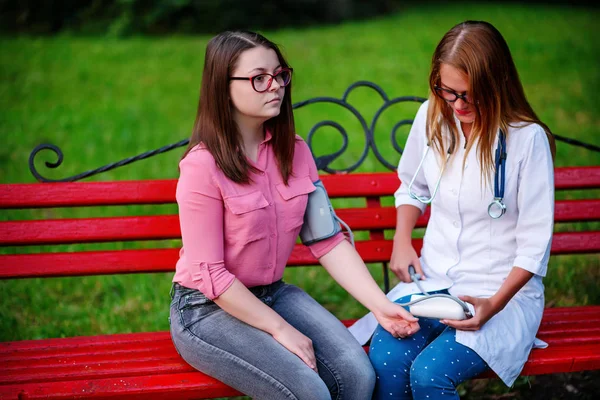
(262,82)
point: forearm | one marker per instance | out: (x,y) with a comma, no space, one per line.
(239,302)
(345,266)
(516,279)
(406,219)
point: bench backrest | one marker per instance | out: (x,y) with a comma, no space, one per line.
(372,217)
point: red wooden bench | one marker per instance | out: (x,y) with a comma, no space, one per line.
(146,364)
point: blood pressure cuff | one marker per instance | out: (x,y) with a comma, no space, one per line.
(320,221)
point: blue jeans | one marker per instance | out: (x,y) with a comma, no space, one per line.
(427,365)
(251,361)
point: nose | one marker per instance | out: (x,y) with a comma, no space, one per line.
(274,85)
(460,104)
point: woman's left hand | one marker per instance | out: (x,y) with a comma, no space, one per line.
(485,309)
(396,320)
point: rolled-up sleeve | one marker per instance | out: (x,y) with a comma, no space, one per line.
(201,220)
(409,162)
(320,248)
(535,201)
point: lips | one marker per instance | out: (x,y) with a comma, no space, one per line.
(273,100)
(462,112)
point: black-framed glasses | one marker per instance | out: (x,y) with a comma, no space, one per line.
(262,82)
(450,95)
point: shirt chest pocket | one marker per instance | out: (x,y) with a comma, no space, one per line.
(293,201)
(246,217)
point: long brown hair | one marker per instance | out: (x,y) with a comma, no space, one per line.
(478,49)
(215,126)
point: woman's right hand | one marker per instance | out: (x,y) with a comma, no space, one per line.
(403,255)
(299,344)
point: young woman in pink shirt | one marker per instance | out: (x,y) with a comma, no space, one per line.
(242,194)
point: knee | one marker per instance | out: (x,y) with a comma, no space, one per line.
(426,374)
(354,376)
(384,360)
(309,388)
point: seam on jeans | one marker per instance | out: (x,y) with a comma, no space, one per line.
(334,374)
(250,367)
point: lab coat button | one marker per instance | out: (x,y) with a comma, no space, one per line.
(455,224)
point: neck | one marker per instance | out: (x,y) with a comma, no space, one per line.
(253,133)
(466,128)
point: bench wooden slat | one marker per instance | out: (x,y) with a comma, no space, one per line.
(191,385)
(163,260)
(79,194)
(116,229)
(163,191)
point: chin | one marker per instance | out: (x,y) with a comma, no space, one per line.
(272,113)
(466,119)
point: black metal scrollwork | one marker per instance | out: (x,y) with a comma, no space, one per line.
(323,162)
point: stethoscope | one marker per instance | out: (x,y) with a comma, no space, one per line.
(497,208)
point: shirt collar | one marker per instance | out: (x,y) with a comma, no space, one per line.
(268,136)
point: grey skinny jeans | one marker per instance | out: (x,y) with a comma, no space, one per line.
(251,361)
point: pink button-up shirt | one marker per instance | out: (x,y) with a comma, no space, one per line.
(248,232)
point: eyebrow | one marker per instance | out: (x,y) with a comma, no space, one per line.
(455,91)
(263,69)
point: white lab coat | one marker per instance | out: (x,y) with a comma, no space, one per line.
(470,253)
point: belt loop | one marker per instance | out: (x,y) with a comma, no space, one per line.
(172,291)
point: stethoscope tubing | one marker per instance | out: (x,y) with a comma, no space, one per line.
(499,178)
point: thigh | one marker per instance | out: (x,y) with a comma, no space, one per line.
(243,357)
(342,362)
(447,362)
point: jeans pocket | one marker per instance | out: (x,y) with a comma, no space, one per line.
(193,308)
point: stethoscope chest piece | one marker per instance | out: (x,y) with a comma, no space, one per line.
(497,208)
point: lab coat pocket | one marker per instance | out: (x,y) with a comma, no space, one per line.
(247,217)
(295,199)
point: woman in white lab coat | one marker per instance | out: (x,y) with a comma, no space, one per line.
(476,115)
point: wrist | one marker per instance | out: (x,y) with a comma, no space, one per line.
(378,307)
(276,326)
(402,239)
(497,303)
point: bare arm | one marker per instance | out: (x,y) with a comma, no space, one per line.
(486,308)
(403,253)
(239,302)
(345,266)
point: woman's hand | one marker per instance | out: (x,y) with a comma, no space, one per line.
(403,255)
(299,344)
(396,320)
(485,309)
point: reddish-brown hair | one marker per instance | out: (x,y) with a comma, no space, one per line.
(215,126)
(477,49)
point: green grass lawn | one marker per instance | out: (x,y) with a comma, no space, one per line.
(101,100)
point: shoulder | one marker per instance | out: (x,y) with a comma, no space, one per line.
(526,140)
(422,112)
(301,147)
(527,134)
(198,157)
(197,175)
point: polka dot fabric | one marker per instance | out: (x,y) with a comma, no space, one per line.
(427,365)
